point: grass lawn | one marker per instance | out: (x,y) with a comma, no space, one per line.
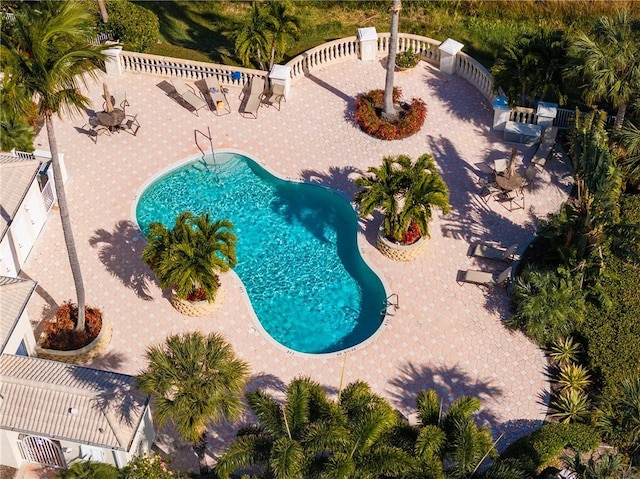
(203,30)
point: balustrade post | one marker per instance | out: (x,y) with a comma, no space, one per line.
(112,63)
(368,38)
(448,51)
(501,112)
(281,75)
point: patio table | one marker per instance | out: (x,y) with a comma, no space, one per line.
(510,183)
(111,119)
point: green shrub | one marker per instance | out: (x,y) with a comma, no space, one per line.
(136,27)
(537,450)
(89,470)
(573,377)
(369,108)
(565,350)
(571,406)
(407,59)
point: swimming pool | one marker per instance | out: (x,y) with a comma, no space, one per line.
(297,249)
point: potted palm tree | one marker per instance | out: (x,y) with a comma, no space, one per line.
(406,193)
(188,257)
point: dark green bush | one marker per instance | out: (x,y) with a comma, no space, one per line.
(136,27)
(539,448)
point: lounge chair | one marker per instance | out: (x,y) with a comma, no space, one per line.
(188,95)
(494,252)
(485,278)
(218,96)
(546,146)
(254,99)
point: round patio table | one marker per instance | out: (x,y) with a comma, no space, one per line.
(111,118)
(509,183)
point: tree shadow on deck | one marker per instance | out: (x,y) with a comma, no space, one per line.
(121,254)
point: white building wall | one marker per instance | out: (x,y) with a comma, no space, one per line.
(9,453)
(8,266)
(22,333)
(27,223)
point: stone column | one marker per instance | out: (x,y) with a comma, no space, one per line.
(448,51)
(546,113)
(501,112)
(112,63)
(368,38)
(281,75)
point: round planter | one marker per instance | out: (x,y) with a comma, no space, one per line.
(404,69)
(399,252)
(84,354)
(197,308)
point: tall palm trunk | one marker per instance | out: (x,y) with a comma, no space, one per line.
(200,448)
(389,109)
(103,11)
(66,223)
(622,110)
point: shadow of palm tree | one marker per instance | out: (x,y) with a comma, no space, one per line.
(448,382)
(121,252)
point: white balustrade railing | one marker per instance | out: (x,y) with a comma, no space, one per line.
(187,69)
(322,55)
(473,71)
(427,48)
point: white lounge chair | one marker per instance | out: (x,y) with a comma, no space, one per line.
(218,96)
(254,99)
(494,252)
(485,278)
(546,146)
(188,94)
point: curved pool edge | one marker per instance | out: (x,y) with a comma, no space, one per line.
(360,240)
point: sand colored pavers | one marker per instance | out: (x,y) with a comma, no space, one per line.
(445,335)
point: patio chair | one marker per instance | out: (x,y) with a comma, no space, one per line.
(218,97)
(500,166)
(530,175)
(546,146)
(515,199)
(274,96)
(120,100)
(130,124)
(95,130)
(482,250)
(485,278)
(188,95)
(254,99)
(489,191)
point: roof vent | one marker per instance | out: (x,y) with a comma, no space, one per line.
(73,410)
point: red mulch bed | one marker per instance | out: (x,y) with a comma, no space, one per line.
(60,333)
(369,115)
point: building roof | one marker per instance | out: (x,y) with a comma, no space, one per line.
(69,402)
(15,179)
(14,295)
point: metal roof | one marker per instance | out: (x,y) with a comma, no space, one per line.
(15,179)
(69,402)
(14,295)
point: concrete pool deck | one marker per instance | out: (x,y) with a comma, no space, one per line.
(446,336)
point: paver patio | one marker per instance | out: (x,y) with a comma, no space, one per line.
(445,335)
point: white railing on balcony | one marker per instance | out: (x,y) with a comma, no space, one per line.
(472,71)
(322,55)
(187,69)
(427,48)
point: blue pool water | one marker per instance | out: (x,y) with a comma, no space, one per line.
(297,252)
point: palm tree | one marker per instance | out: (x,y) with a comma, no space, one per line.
(533,67)
(15,130)
(389,107)
(619,416)
(311,435)
(609,63)
(277,444)
(89,470)
(189,256)
(405,191)
(251,39)
(195,381)
(605,466)
(48,54)
(283,25)
(629,140)
(547,305)
(446,444)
